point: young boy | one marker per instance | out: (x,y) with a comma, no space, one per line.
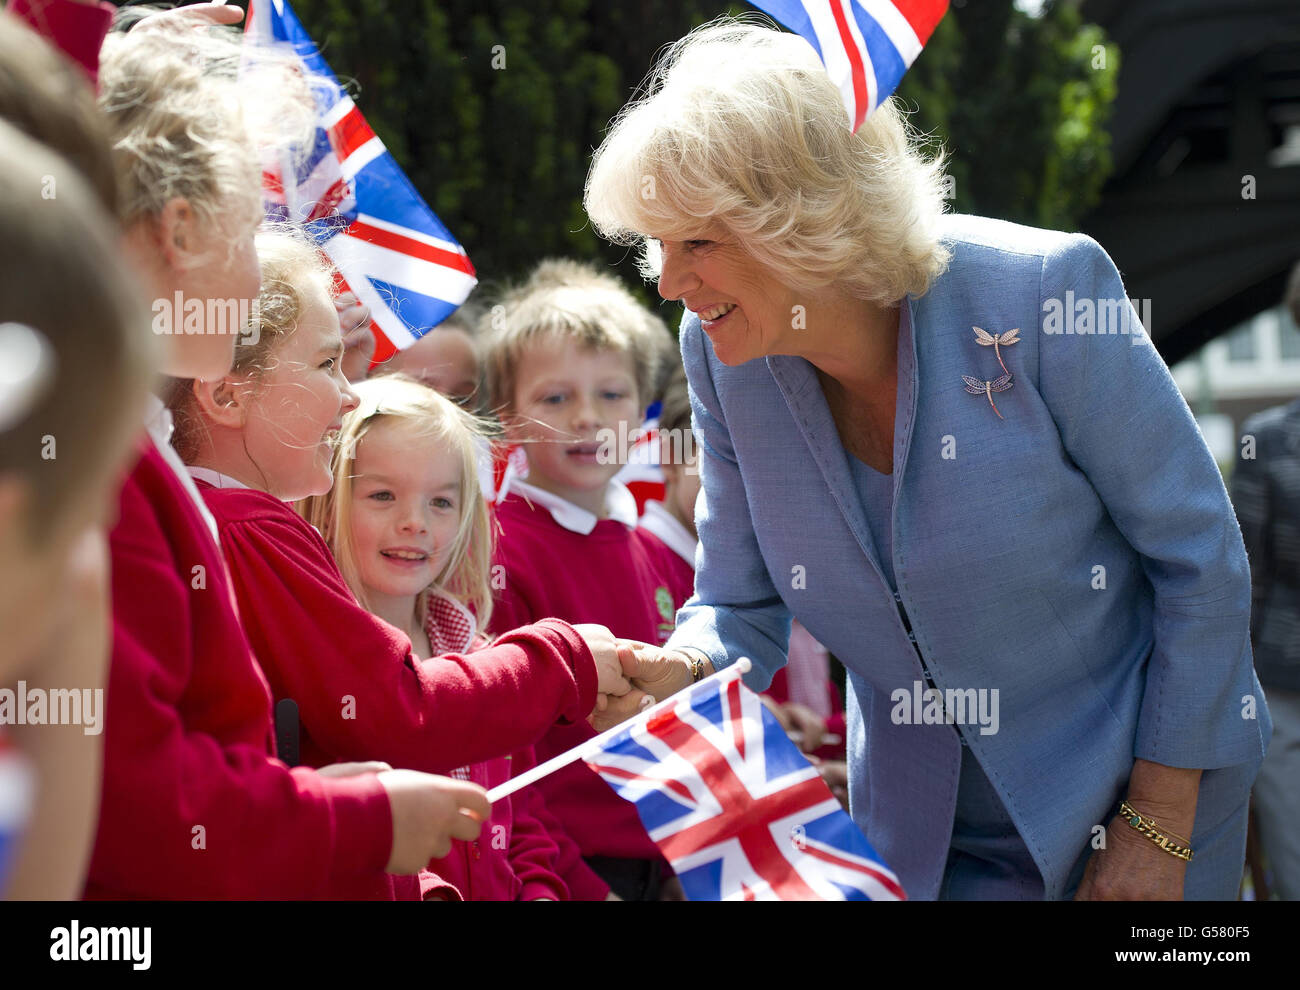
(570,357)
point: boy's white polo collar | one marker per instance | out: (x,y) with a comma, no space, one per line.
(620,502)
(663,524)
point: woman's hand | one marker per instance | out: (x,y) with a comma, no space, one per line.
(655,670)
(1131,868)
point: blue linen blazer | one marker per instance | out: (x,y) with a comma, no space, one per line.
(1000,531)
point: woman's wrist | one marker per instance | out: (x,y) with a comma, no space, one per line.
(1167,794)
(699,662)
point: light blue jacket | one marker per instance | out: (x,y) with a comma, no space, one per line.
(1001,531)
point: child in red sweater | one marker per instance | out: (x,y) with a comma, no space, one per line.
(569,360)
(408,523)
(265,434)
(194,803)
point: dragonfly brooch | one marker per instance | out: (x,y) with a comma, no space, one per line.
(997,341)
(976,387)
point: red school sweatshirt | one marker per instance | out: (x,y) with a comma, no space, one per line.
(194,803)
(361,693)
(514,857)
(611,576)
(76,29)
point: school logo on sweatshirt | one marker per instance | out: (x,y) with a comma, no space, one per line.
(664,602)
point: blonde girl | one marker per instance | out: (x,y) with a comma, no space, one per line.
(408,523)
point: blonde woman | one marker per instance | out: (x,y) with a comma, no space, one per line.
(998,514)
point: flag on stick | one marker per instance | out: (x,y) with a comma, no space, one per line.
(734,806)
(389,247)
(867,45)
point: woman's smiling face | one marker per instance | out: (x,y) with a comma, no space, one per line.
(743,308)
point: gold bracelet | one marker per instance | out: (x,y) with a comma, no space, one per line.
(697,665)
(1154,831)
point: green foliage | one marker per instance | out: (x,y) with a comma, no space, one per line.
(494,106)
(1020,103)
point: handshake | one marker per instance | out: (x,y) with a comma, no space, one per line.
(631,676)
(429,811)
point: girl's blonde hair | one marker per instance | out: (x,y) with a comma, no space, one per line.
(740,124)
(292,269)
(466,575)
(187,122)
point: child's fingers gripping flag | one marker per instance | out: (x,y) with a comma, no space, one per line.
(389,247)
(734,806)
(866,45)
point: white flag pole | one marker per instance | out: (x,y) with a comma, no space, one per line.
(595,743)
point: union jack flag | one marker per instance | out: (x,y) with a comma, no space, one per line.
(739,812)
(867,45)
(388,246)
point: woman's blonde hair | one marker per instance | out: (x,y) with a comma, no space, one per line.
(466,575)
(740,124)
(292,270)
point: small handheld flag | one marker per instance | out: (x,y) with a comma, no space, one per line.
(733,805)
(389,247)
(867,45)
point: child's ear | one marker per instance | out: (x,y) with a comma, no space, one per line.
(177,233)
(220,402)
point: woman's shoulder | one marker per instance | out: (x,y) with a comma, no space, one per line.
(983,236)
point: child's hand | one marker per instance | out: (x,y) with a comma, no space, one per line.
(604,650)
(613,709)
(836,775)
(805,726)
(358,341)
(428,812)
(200,14)
(353,769)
